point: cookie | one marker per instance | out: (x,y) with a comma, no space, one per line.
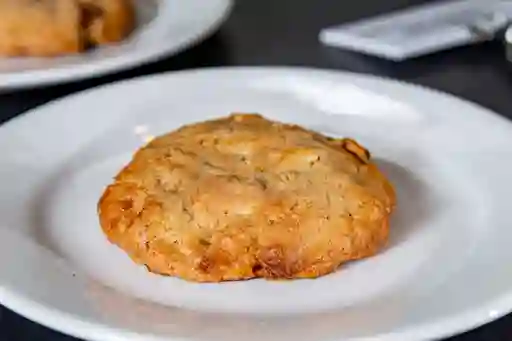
(106,21)
(39,28)
(242,197)
(45,28)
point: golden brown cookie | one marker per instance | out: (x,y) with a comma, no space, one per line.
(243,197)
(107,21)
(39,28)
(55,27)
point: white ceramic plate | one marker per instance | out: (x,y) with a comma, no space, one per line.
(165,27)
(446,269)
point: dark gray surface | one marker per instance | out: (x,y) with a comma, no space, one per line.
(284,32)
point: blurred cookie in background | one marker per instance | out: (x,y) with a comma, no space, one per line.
(46,28)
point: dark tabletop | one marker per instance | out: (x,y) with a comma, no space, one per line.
(284,32)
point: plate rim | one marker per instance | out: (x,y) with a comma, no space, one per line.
(110,65)
(75,326)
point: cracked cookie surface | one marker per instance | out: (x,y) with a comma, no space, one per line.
(242,197)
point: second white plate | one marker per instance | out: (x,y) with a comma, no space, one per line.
(446,269)
(165,27)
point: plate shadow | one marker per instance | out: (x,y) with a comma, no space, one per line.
(414,201)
